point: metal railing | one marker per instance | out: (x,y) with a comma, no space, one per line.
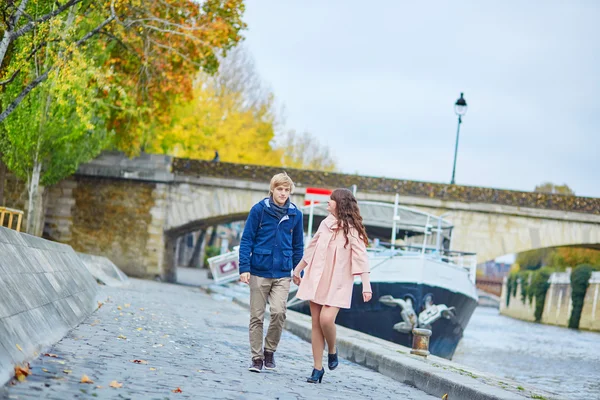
(12,217)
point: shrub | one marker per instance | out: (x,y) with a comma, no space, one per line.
(579,283)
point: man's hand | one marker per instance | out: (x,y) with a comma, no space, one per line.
(245,277)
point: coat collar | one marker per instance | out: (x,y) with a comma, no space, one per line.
(331,222)
(291,208)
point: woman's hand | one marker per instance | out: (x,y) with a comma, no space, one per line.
(367,296)
(296,279)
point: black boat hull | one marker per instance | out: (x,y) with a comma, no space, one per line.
(377,319)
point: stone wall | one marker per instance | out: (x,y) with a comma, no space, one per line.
(516,307)
(590,314)
(467,194)
(45,291)
(113,218)
(558,303)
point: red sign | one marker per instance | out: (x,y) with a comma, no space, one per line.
(316,195)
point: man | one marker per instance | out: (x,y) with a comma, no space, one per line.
(272,245)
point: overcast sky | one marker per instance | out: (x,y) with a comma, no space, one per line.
(376,82)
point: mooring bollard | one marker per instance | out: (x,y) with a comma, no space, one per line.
(420,344)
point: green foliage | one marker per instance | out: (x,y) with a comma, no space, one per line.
(549,187)
(211,251)
(538,288)
(534,259)
(579,283)
(58,126)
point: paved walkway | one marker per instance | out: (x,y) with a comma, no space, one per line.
(185,340)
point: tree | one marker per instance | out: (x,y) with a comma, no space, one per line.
(234,113)
(548,187)
(57,106)
(305,152)
(534,259)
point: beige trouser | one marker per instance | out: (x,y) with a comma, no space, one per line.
(276,291)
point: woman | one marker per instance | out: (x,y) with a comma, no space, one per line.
(335,255)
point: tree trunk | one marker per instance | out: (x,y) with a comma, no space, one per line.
(35,206)
(2,181)
(213,236)
(196,253)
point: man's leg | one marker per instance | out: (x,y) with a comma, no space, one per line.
(259,291)
(278,307)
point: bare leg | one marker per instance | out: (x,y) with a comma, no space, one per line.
(317,339)
(327,322)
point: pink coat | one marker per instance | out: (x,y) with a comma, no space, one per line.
(329,276)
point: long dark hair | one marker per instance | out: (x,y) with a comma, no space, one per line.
(348,214)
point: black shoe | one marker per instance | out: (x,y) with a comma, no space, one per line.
(317,376)
(332,361)
(257,365)
(270,360)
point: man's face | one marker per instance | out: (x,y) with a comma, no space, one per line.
(281,194)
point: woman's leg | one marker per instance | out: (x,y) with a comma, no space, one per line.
(317,340)
(327,322)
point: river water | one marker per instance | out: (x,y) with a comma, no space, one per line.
(561,360)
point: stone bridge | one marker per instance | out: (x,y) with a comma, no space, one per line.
(133,210)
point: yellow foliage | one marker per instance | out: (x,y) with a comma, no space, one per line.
(515,268)
(212,122)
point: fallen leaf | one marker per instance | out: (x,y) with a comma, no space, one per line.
(99,387)
(158,345)
(166,336)
(152,369)
(85,379)
(50,355)
(139,361)
(141,309)
(100,304)
(21,372)
(178,390)
(115,384)
(120,314)
(19,347)
(119,308)
(45,370)
(127,305)
(445,397)
(139,329)
(116,319)
(122,337)
(67,371)
(201,370)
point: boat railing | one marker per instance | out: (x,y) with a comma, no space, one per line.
(460,259)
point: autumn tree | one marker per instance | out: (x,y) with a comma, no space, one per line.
(304,151)
(74,72)
(233,112)
(549,187)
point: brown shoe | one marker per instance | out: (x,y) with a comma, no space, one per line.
(270,360)
(256,366)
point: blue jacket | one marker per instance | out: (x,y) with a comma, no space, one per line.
(270,247)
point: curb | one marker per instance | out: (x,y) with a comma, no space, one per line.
(434,375)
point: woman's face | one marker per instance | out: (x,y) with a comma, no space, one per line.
(332,206)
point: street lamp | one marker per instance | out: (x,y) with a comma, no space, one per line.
(460,108)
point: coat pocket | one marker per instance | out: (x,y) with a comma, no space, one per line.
(287,260)
(262,259)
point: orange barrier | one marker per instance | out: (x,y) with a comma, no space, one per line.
(13,216)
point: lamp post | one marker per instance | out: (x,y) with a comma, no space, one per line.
(460,108)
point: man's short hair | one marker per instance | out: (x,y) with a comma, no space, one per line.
(281,179)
